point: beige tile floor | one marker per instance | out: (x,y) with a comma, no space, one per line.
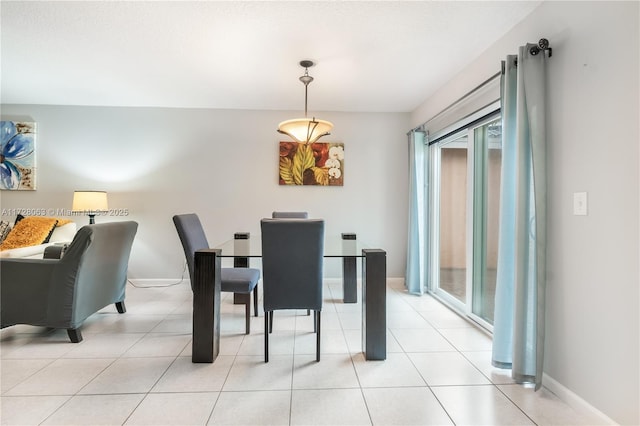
(136,369)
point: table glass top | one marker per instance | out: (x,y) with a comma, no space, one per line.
(334,246)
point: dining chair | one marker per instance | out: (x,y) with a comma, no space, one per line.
(290,215)
(241,281)
(292,261)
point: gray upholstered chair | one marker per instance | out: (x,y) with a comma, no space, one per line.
(292,260)
(240,281)
(63,293)
(290,215)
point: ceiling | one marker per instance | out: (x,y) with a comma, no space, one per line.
(386,56)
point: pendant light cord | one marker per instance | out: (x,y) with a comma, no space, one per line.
(306,79)
(306,85)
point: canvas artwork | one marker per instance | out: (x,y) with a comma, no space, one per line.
(320,163)
(17,155)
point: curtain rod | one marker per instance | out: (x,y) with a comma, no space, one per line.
(543,45)
(462,98)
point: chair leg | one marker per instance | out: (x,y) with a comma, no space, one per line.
(120,307)
(244,299)
(266,337)
(247,315)
(255,300)
(317,321)
(74,335)
(270,321)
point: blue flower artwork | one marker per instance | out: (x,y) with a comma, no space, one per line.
(17,155)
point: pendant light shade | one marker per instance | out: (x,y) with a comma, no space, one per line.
(305,130)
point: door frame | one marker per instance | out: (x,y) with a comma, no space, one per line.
(434,143)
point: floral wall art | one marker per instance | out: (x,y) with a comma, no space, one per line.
(320,163)
(17,155)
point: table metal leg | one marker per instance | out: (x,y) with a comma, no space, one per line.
(241,240)
(374,304)
(206,306)
(349,272)
(241,245)
(349,280)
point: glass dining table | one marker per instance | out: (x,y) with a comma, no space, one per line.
(206,289)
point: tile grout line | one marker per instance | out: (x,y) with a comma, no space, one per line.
(468,356)
(494,385)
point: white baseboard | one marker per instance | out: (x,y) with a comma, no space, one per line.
(391,281)
(395,282)
(157,282)
(574,400)
(334,281)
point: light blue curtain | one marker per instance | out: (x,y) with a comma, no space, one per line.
(518,329)
(415,274)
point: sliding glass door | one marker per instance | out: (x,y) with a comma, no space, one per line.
(451,215)
(486,204)
(464,192)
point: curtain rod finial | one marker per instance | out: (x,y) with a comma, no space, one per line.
(543,44)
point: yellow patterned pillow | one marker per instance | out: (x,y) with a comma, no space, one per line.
(30,231)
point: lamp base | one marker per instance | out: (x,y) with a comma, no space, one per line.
(92,219)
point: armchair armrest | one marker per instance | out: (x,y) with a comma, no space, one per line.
(55,251)
(24,290)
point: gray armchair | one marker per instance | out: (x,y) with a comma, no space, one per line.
(292,261)
(63,293)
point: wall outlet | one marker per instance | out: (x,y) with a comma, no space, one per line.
(579,203)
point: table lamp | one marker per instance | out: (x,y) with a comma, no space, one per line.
(89,202)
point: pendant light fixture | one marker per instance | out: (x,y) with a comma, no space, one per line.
(305,130)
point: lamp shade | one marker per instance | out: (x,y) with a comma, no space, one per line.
(305,130)
(89,201)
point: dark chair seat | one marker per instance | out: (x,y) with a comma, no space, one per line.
(239,280)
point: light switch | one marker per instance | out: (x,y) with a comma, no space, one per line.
(579,203)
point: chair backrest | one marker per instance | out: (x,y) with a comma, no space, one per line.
(290,215)
(192,237)
(92,273)
(292,261)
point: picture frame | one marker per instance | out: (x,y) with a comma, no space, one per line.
(18,155)
(318,163)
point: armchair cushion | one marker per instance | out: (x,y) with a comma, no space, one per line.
(30,231)
(62,233)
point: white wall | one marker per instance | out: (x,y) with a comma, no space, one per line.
(221,164)
(592,334)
